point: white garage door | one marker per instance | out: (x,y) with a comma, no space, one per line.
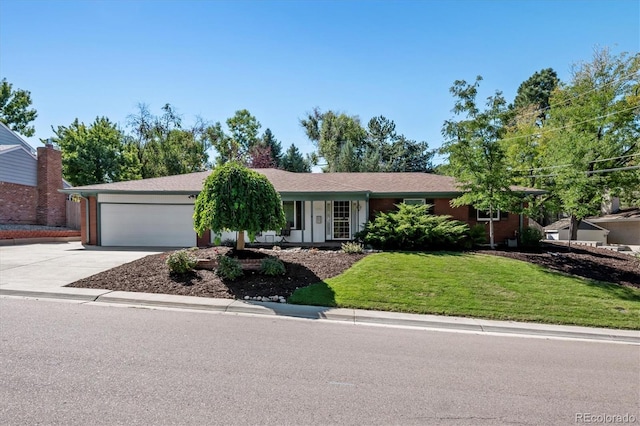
(147,225)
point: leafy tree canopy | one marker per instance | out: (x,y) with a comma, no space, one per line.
(240,199)
(95,153)
(164,147)
(242,137)
(476,158)
(14,109)
(346,146)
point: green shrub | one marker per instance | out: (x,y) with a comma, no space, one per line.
(411,227)
(228,242)
(228,267)
(478,235)
(181,261)
(272,266)
(352,248)
(531,237)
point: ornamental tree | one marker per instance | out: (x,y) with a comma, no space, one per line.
(239,199)
(476,158)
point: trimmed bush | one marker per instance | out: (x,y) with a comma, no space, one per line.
(352,248)
(478,235)
(228,268)
(411,227)
(531,237)
(272,266)
(181,261)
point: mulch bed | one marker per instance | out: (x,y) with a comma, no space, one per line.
(305,267)
(583,261)
(151,275)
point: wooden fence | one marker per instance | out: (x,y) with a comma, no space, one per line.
(73,215)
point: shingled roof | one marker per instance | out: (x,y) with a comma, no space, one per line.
(288,182)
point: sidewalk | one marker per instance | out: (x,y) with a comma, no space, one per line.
(42,270)
(354,316)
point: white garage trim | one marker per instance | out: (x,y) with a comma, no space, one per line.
(146,225)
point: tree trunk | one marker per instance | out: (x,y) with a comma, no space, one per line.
(491,240)
(573,228)
(240,242)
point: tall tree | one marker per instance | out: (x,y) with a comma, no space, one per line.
(95,153)
(592,136)
(260,157)
(336,135)
(243,135)
(536,91)
(274,145)
(14,109)
(237,198)
(476,158)
(293,161)
(164,147)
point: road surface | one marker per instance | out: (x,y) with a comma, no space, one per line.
(78,364)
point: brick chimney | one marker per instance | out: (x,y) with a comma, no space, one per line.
(51,209)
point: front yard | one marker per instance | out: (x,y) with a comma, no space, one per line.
(476,285)
(473,284)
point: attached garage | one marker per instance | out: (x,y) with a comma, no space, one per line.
(154,223)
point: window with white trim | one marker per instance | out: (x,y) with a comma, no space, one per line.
(293,213)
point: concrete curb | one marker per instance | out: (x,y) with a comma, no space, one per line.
(355,316)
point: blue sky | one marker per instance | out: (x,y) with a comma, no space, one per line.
(279,60)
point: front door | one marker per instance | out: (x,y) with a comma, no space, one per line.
(341,220)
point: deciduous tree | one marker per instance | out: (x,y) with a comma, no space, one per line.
(592,136)
(240,199)
(95,153)
(14,109)
(476,158)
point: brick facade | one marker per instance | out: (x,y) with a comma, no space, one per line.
(44,233)
(36,205)
(507,227)
(204,240)
(92,239)
(18,203)
(51,210)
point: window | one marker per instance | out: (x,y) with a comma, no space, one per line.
(293,213)
(420,202)
(483,216)
(414,201)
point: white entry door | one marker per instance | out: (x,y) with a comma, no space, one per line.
(341,220)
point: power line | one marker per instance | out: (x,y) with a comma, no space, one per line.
(567,165)
(540,133)
(538,112)
(591,172)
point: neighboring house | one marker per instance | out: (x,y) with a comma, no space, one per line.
(318,207)
(587,231)
(623,226)
(29,182)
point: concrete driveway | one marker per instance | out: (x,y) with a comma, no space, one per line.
(54,265)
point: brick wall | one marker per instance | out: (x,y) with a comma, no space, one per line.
(51,209)
(18,203)
(382,205)
(502,229)
(204,240)
(45,233)
(93,221)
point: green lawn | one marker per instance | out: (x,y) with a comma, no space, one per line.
(475,285)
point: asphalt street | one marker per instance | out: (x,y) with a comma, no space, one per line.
(72,363)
